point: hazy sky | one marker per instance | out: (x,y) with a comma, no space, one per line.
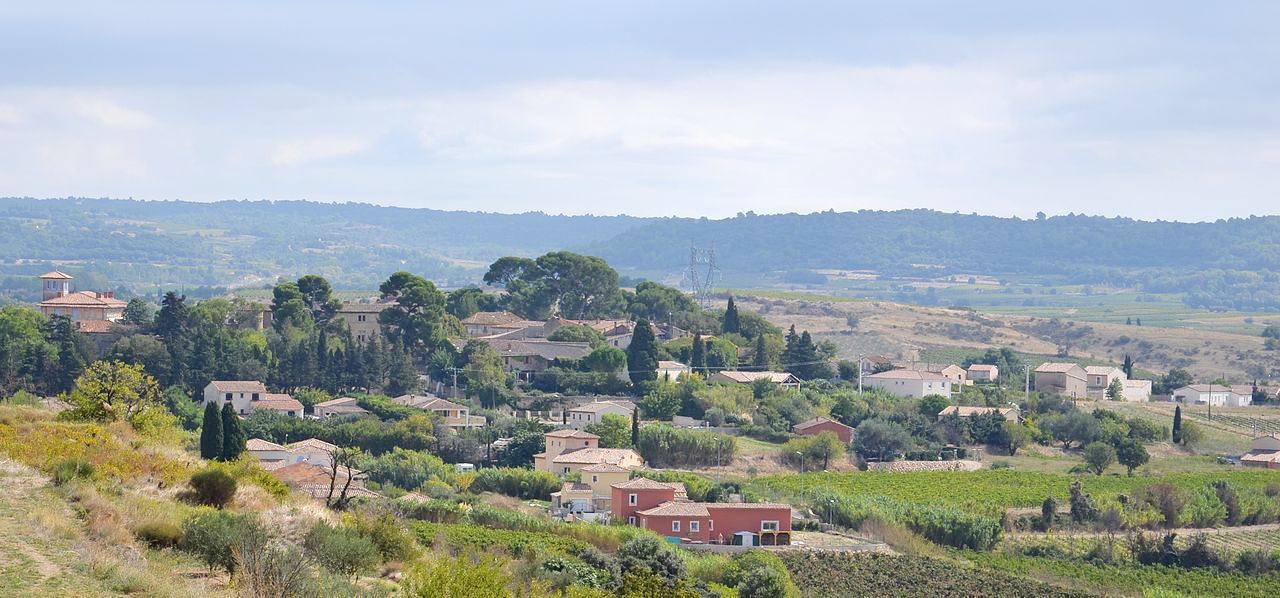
(1151,110)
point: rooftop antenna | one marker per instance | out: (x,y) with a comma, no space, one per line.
(702,274)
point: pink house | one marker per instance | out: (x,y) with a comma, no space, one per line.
(649,504)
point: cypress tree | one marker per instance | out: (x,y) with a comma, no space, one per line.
(642,354)
(731,324)
(635,427)
(761,361)
(1177,425)
(233,439)
(1128,366)
(698,355)
(211,433)
(789,356)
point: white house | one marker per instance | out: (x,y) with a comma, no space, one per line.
(671,370)
(242,394)
(1137,391)
(313,451)
(911,383)
(780,378)
(1098,379)
(1217,395)
(338,407)
(589,413)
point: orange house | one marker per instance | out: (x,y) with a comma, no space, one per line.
(819,425)
(652,505)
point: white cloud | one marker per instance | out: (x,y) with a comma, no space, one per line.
(107,112)
(298,152)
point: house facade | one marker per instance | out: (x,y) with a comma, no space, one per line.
(338,407)
(454,415)
(1265,453)
(1009,413)
(279,403)
(956,374)
(672,370)
(910,383)
(590,413)
(982,372)
(654,506)
(1067,379)
(738,377)
(570,451)
(1217,395)
(57,298)
(362,318)
(242,394)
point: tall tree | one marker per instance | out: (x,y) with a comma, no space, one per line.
(233,437)
(642,354)
(698,355)
(416,320)
(73,351)
(211,433)
(288,307)
(317,295)
(137,312)
(113,391)
(731,324)
(1177,424)
(760,361)
(575,286)
(789,356)
(1128,366)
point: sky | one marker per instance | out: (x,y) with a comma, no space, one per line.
(1151,110)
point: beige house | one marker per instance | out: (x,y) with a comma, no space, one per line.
(1137,391)
(911,383)
(242,394)
(531,356)
(956,374)
(313,451)
(455,416)
(982,372)
(589,413)
(489,323)
(1264,453)
(1098,379)
(269,452)
(279,403)
(362,318)
(569,451)
(1067,379)
(80,306)
(739,377)
(594,493)
(338,407)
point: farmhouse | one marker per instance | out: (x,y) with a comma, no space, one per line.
(911,383)
(489,323)
(819,425)
(1137,391)
(532,356)
(956,374)
(80,306)
(1217,395)
(671,370)
(780,378)
(1067,379)
(1098,379)
(278,402)
(362,318)
(1264,453)
(982,372)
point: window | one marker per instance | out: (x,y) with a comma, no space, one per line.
(360,318)
(631,520)
(566,470)
(768,526)
(228,396)
(594,478)
(675,525)
(255,396)
(631,499)
(693,526)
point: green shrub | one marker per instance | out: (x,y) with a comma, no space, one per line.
(158,534)
(213,487)
(340,549)
(73,468)
(213,535)
(393,541)
(435,510)
(517,482)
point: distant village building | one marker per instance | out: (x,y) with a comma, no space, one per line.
(569,451)
(956,374)
(1067,379)
(911,383)
(982,372)
(240,393)
(819,425)
(672,370)
(739,377)
(362,318)
(1137,391)
(338,407)
(532,356)
(454,415)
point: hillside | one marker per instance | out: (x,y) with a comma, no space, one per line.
(922,333)
(1232,264)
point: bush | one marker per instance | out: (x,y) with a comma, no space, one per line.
(649,554)
(212,536)
(394,542)
(1257,562)
(73,468)
(664,446)
(517,482)
(212,487)
(341,550)
(158,534)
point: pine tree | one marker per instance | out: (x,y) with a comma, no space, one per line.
(698,354)
(211,433)
(789,356)
(1177,425)
(1128,321)
(761,358)
(233,439)
(642,354)
(731,324)
(635,427)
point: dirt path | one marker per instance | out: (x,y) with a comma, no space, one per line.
(19,490)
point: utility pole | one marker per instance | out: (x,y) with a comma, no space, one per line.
(1026,369)
(859,374)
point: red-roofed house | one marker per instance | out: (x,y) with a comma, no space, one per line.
(240,393)
(80,306)
(278,402)
(652,505)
